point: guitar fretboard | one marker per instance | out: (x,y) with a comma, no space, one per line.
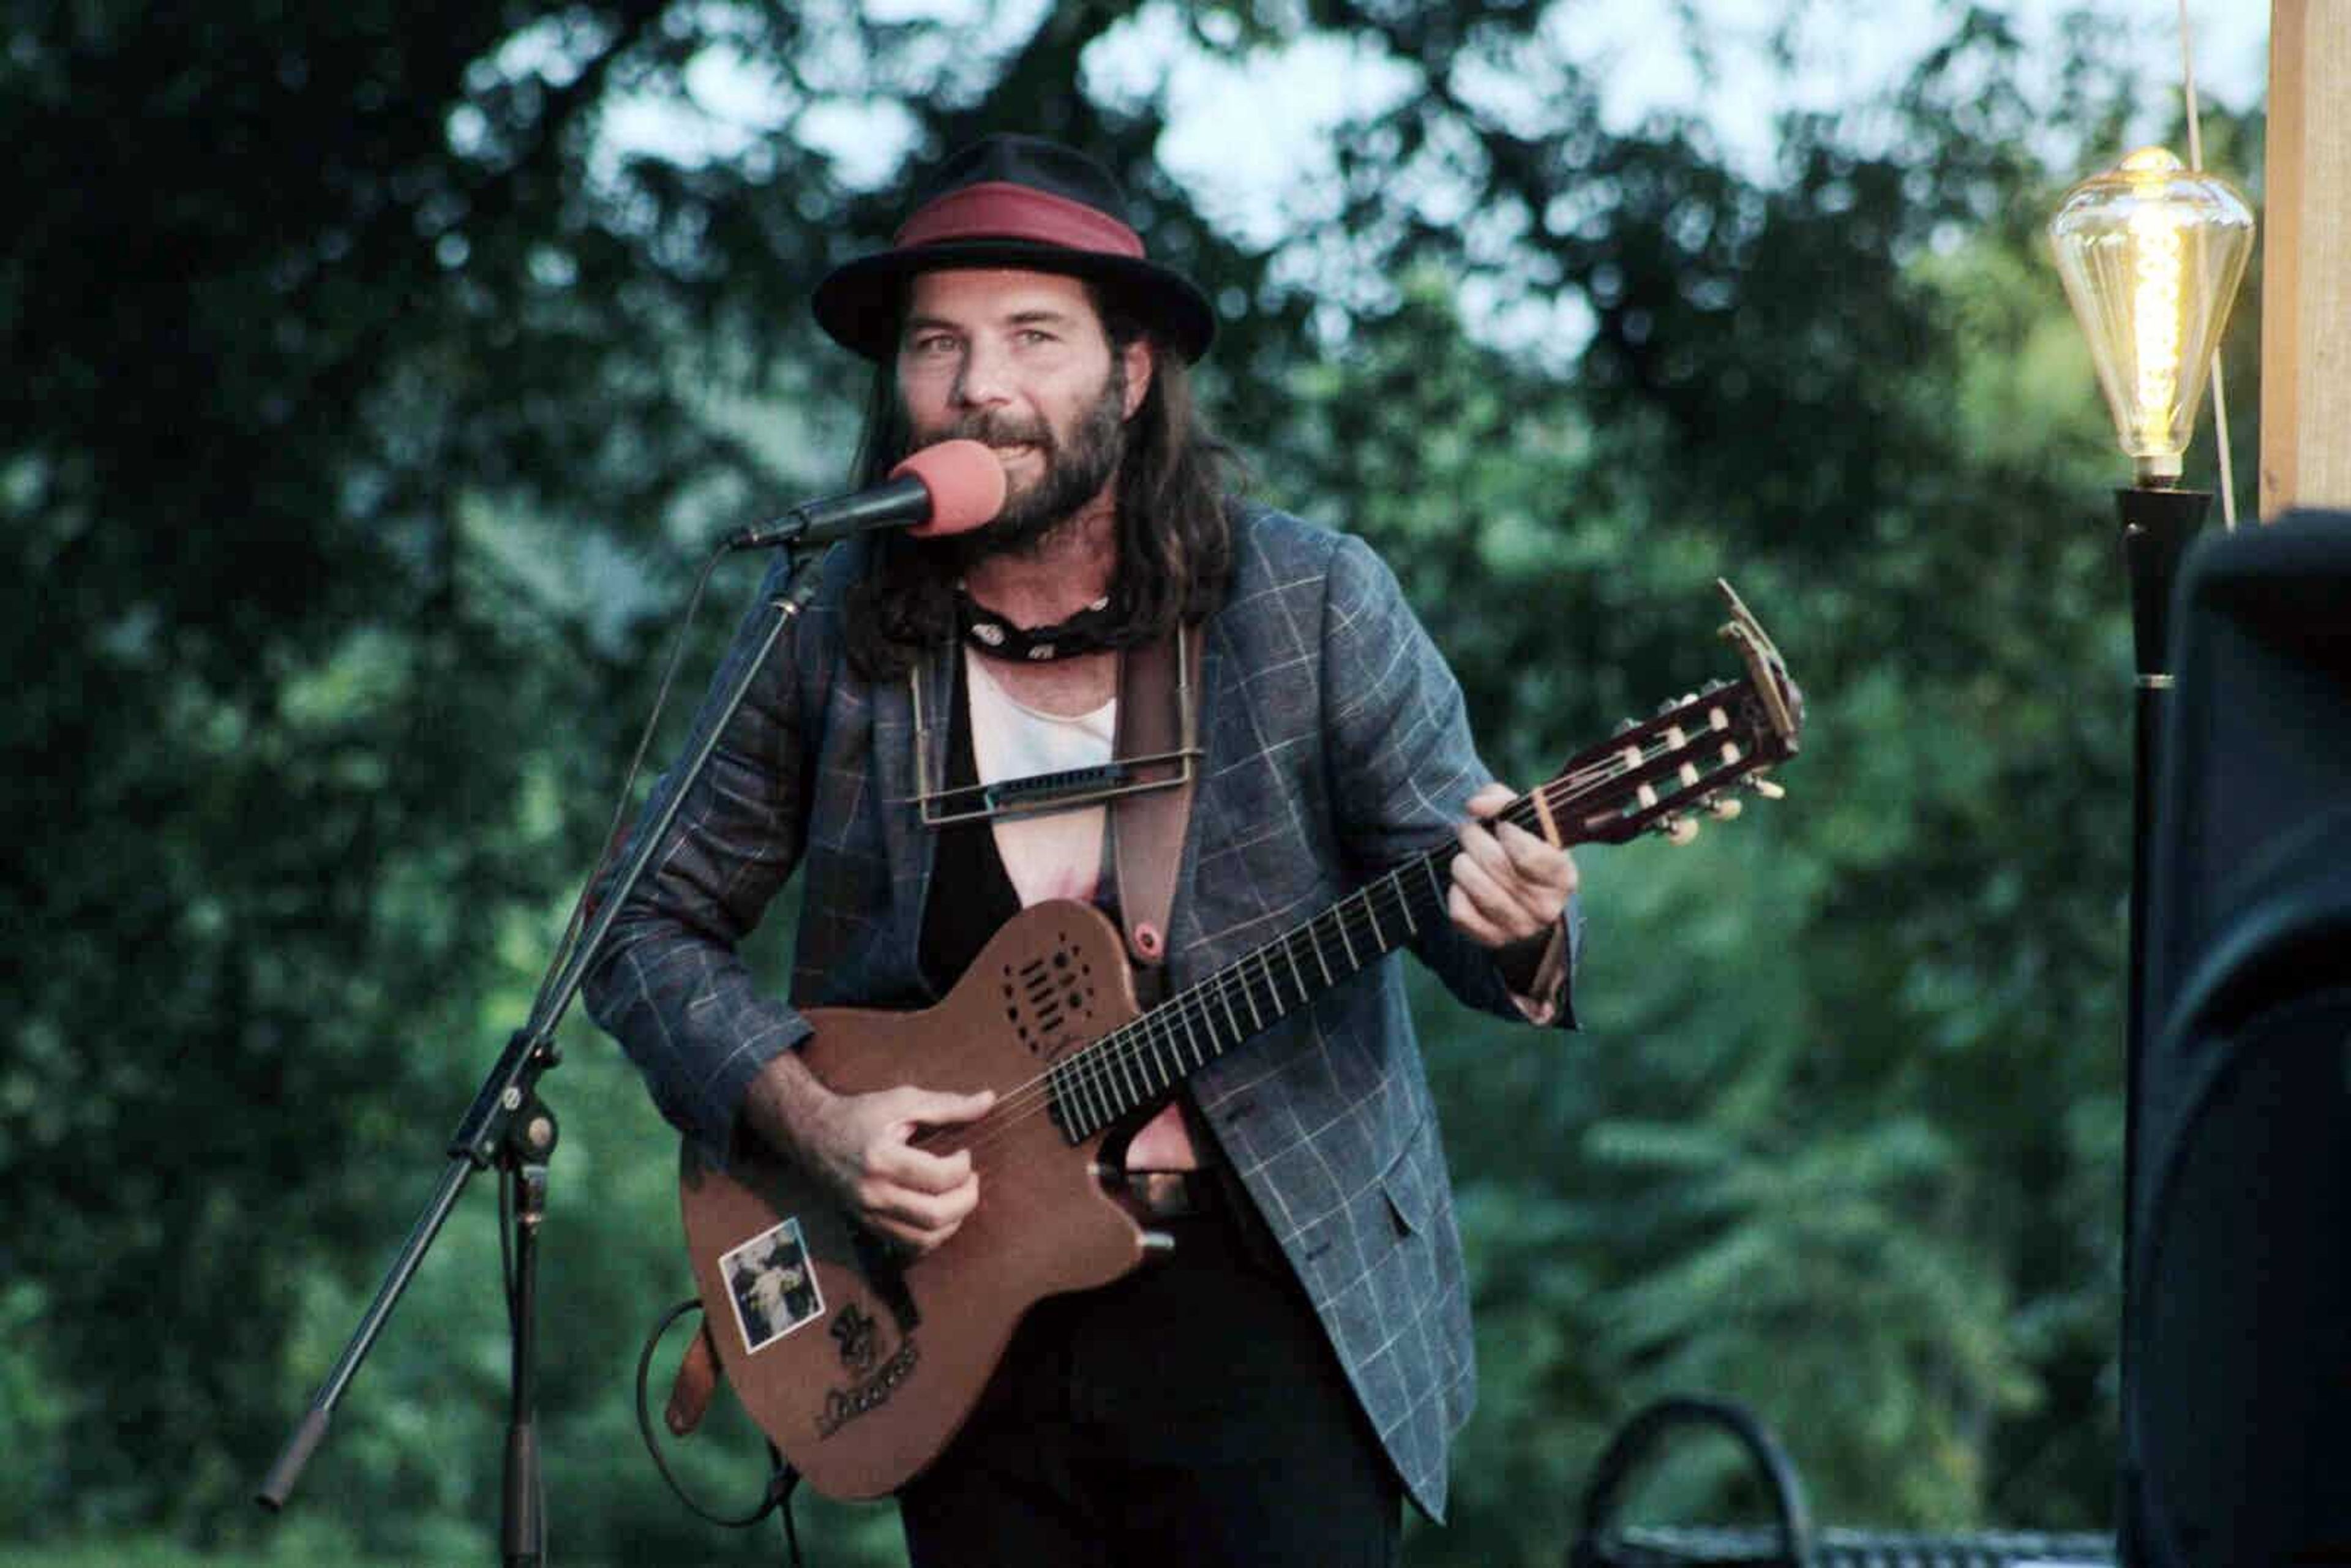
(1677,760)
(1133,1065)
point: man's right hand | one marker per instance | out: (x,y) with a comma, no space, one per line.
(863,1147)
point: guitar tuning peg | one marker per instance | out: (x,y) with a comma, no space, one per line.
(1680,831)
(1625,726)
(1723,810)
(1767,789)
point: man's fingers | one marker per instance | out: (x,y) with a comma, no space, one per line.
(1492,799)
(1536,860)
(937,1108)
(921,1220)
(920,1211)
(1498,883)
(905,1165)
(1508,884)
(1488,909)
(1467,915)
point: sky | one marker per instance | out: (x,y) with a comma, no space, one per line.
(1257,172)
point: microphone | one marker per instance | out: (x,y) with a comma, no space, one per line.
(947,488)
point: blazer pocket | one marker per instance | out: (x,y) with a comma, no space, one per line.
(1408,1183)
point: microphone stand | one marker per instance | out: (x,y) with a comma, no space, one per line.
(510,1126)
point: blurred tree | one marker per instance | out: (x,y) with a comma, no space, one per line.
(292,311)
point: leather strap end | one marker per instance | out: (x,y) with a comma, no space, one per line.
(690,1392)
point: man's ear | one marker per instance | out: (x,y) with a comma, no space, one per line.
(1141,359)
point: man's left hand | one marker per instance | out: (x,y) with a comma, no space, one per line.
(1508,884)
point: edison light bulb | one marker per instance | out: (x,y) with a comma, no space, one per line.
(2151,255)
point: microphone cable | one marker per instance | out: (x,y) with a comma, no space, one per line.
(615,831)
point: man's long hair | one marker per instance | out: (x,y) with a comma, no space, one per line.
(1175,535)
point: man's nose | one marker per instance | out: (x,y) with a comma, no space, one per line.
(985,380)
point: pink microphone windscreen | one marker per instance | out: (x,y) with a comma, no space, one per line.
(966,483)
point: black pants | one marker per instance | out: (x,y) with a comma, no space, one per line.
(1189,1414)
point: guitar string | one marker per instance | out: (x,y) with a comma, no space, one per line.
(1107,1069)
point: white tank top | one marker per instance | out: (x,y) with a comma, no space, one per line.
(1055,854)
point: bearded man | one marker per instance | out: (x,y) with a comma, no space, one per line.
(1270,1391)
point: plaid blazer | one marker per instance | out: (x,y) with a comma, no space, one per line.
(1336,746)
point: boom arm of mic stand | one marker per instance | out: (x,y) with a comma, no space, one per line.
(488,1126)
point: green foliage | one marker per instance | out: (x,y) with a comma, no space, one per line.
(368,409)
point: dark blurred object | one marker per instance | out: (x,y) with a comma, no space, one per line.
(2238,1329)
(1791,1541)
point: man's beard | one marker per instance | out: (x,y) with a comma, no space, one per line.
(1072,475)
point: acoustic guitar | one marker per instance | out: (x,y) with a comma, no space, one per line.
(860,1363)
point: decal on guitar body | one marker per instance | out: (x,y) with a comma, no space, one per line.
(854,1330)
(773,1287)
(842,1406)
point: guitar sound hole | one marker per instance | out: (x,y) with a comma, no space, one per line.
(1049,999)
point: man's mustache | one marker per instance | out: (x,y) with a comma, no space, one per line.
(1002,430)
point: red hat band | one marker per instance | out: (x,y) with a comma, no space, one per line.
(998,209)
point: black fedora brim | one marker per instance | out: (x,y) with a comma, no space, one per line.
(858,302)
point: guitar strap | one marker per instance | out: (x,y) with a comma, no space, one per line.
(1159,682)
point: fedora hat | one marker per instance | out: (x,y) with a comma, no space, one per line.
(1016,202)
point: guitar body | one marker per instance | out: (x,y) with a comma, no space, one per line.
(861,1370)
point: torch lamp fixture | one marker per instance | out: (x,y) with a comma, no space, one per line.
(2151,254)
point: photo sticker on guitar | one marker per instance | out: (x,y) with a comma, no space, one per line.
(773,1288)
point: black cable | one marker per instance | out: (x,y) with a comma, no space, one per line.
(580,905)
(781,1477)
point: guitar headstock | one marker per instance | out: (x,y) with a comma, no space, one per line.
(1694,754)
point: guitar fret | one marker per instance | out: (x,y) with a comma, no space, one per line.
(1224,994)
(1105,1111)
(1321,962)
(1099,1104)
(1167,1076)
(1410,927)
(1296,974)
(1273,987)
(1248,996)
(1371,910)
(1353,963)
(1057,1104)
(1131,1080)
(1184,1016)
(1130,1074)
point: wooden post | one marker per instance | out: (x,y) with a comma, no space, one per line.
(2306,260)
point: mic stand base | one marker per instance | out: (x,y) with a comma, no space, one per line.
(524,1533)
